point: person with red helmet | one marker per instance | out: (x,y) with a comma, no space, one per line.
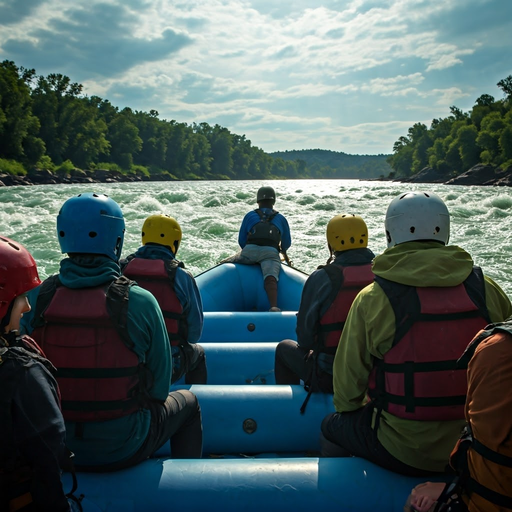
(32,431)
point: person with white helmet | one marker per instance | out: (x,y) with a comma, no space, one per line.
(32,432)
(398,392)
(107,337)
(154,267)
(264,234)
(326,299)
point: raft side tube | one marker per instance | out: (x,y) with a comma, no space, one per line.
(228,327)
(236,287)
(259,419)
(239,363)
(250,485)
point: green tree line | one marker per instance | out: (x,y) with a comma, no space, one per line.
(322,163)
(463,139)
(48,123)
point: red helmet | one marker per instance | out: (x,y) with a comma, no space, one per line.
(18,272)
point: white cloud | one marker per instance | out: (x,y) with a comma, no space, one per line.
(346,75)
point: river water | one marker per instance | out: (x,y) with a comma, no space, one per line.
(210,213)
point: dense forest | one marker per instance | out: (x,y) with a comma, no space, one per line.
(48,123)
(463,139)
(322,163)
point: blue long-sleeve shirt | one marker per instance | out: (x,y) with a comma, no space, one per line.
(252,218)
(184,285)
(116,440)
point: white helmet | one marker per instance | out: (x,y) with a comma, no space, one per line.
(417,216)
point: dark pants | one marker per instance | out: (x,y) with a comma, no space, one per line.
(191,362)
(294,363)
(178,419)
(351,433)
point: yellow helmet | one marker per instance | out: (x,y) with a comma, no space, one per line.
(347,231)
(162,230)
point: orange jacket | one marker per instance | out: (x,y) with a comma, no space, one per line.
(489,413)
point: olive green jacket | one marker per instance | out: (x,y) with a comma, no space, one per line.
(369,332)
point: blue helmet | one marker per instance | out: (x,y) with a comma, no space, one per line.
(91,223)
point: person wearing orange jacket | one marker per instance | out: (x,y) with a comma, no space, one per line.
(483,455)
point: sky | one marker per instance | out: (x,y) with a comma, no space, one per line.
(350,76)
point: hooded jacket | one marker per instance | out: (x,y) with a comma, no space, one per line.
(369,333)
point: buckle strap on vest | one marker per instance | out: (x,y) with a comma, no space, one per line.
(488,494)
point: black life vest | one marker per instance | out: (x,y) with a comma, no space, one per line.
(158,277)
(264,232)
(418,378)
(347,282)
(84,334)
(468,483)
(15,472)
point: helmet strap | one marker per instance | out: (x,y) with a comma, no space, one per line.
(7,318)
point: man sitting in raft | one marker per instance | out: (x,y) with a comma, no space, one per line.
(108,340)
(326,299)
(482,457)
(265,233)
(155,267)
(401,342)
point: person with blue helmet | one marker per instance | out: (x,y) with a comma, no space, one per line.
(107,338)
(263,235)
(154,266)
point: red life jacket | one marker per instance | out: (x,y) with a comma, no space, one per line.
(158,276)
(83,333)
(347,282)
(418,378)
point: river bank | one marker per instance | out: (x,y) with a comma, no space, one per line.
(480,174)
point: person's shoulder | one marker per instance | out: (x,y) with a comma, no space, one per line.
(142,296)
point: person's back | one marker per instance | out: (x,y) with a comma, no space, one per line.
(264,233)
(482,457)
(155,268)
(326,299)
(107,337)
(401,341)
(32,432)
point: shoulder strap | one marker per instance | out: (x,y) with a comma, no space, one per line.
(46,293)
(117,306)
(335,274)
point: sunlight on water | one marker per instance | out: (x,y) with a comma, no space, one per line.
(210,214)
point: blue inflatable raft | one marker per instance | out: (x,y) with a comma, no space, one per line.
(260,452)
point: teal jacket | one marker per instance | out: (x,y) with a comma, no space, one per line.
(369,332)
(117,440)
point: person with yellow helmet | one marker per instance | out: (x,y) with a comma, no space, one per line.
(155,267)
(326,299)
(264,233)
(32,430)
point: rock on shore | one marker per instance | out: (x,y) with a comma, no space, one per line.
(45,177)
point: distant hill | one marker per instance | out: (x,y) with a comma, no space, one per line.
(322,163)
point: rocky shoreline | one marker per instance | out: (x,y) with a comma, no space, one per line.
(481,174)
(77,176)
